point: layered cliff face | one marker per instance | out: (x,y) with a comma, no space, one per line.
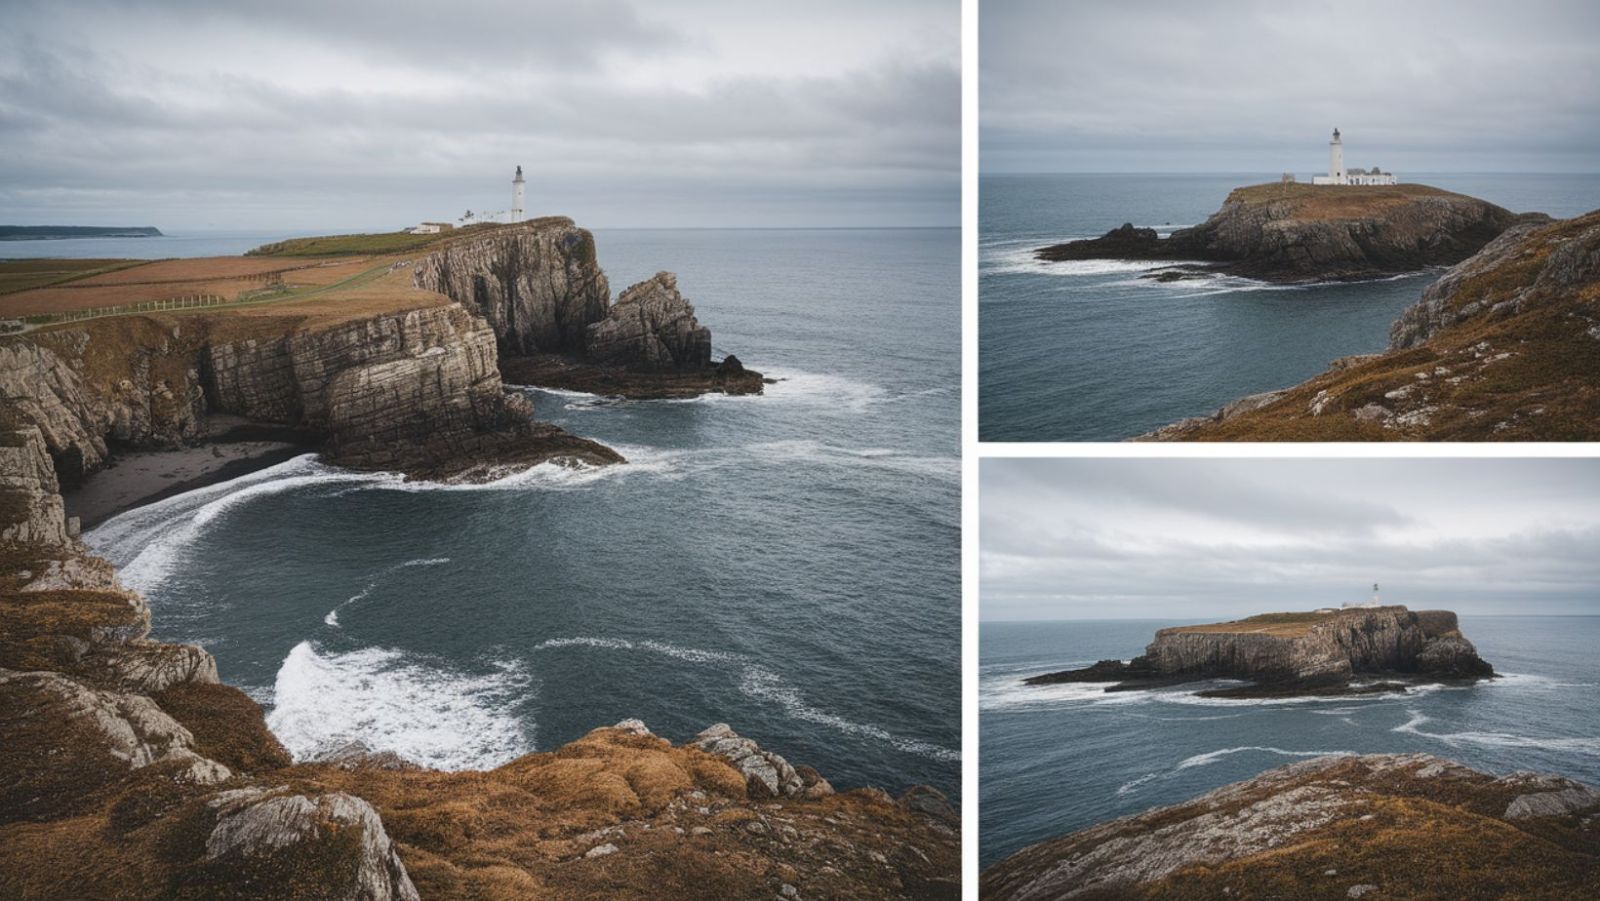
(538,284)
(1503,347)
(1376,826)
(1290,653)
(130,772)
(1294,232)
(415,390)
(1329,647)
(541,290)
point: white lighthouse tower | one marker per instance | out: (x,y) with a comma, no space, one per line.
(1336,159)
(518,193)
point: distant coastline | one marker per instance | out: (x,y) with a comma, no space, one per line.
(64,232)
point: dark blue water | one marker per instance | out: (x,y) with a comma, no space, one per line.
(1088,351)
(786,563)
(1059,758)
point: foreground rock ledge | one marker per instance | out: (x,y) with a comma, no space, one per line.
(127,770)
(1349,651)
(1374,826)
(1299,233)
(1504,346)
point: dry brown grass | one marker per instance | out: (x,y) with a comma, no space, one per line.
(1285,625)
(1312,202)
(22,275)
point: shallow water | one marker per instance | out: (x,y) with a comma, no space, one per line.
(785,563)
(1060,758)
(1088,351)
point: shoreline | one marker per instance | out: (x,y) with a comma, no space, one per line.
(135,479)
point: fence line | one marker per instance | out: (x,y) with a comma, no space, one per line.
(186,302)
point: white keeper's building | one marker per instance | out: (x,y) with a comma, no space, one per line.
(1339,175)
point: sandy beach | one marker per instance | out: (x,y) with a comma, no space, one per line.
(140,477)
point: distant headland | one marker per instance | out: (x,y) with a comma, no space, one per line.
(1320,652)
(62,232)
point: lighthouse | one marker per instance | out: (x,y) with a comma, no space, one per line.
(1335,158)
(518,193)
(1339,175)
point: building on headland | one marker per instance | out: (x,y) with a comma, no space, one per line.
(1371,602)
(518,194)
(1339,175)
(431,228)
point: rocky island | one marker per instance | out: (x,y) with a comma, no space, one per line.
(1373,826)
(1358,650)
(1505,346)
(1307,233)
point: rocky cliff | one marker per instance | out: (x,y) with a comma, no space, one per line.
(1290,653)
(540,288)
(127,770)
(1504,346)
(415,390)
(1296,232)
(1375,826)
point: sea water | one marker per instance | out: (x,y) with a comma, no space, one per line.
(787,563)
(1062,757)
(1090,351)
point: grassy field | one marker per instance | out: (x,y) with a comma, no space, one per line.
(22,275)
(1286,625)
(1335,201)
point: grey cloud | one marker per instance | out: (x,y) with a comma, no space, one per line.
(1193,539)
(106,128)
(1465,85)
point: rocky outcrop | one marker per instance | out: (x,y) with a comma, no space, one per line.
(650,328)
(127,771)
(1298,653)
(1290,233)
(1394,826)
(1501,347)
(538,284)
(539,287)
(413,390)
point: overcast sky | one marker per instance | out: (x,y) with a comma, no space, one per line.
(313,113)
(1195,539)
(1259,85)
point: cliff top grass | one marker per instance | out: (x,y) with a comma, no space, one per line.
(388,242)
(1311,202)
(1283,625)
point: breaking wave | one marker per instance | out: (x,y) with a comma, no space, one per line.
(1497,739)
(389,700)
(332,618)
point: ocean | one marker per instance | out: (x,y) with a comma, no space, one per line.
(1059,758)
(787,563)
(1088,351)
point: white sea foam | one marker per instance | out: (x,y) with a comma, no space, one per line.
(760,683)
(1578,745)
(1213,756)
(391,701)
(332,619)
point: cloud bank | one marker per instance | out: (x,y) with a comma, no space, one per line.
(1187,538)
(367,114)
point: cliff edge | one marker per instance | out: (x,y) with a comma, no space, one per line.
(540,287)
(1374,826)
(1505,346)
(1299,232)
(1287,654)
(127,770)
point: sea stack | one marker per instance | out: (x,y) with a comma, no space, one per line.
(1324,652)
